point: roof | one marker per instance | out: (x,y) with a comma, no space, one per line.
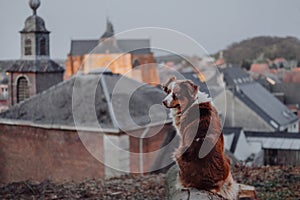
(208,87)
(275,140)
(259,68)
(289,90)
(265,104)
(37,65)
(109,32)
(171,58)
(135,46)
(90,102)
(257,98)
(235,75)
(34,23)
(231,141)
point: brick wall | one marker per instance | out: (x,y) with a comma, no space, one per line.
(31,153)
(151,143)
(35,153)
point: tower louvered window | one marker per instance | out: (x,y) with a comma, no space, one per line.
(27,47)
(43,46)
(22,89)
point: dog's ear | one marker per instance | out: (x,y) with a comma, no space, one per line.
(165,86)
(171,79)
(192,88)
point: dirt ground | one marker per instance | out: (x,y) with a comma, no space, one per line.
(270,183)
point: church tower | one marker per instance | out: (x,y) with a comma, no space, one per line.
(35,71)
(34,36)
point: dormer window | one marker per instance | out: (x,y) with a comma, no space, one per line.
(43,49)
(28,47)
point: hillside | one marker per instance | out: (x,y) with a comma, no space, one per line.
(263,47)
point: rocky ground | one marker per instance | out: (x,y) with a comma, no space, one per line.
(270,182)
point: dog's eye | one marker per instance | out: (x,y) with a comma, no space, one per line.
(173,95)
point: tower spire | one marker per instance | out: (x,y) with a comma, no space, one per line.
(109,30)
(34,5)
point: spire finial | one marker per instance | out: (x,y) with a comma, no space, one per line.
(34,5)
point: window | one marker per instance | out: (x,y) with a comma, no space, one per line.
(136,63)
(22,89)
(28,47)
(43,49)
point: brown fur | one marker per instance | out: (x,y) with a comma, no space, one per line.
(196,123)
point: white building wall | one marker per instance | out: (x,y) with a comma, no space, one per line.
(116,155)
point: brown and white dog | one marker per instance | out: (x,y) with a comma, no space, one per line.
(198,126)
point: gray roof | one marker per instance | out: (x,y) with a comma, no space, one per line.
(37,65)
(276,140)
(257,98)
(109,30)
(135,46)
(107,46)
(235,76)
(290,90)
(171,58)
(265,104)
(88,100)
(236,131)
(34,23)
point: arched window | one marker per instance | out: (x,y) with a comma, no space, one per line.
(22,89)
(135,63)
(43,49)
(28,47)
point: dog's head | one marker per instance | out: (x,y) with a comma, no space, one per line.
(180,93)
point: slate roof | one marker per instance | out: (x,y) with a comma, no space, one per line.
(94,102)
(290,90)
(265,104)
(235,131)
(135,46)
(109,30)
(275,140)
(34,23)
(170,58)
(235,75)
(258,98)
(37,65)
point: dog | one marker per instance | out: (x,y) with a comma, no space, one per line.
(200,155)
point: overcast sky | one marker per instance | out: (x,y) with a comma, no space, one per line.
(214,24)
